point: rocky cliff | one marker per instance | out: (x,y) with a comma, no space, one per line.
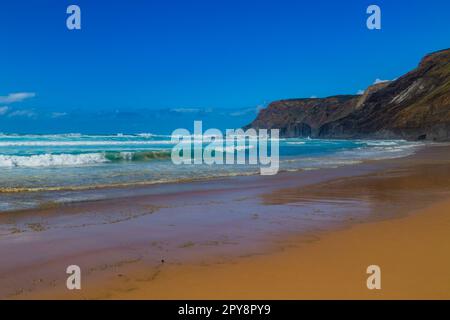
(415,106)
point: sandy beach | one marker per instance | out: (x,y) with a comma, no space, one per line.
(303,235)
(413,254)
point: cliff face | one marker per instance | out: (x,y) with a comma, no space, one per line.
(414,107)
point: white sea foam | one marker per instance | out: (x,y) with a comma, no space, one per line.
(79,143)
(49,160)
(296,142)
(380,152)
(59,143)
(232,149)
(152,135)
(382,143)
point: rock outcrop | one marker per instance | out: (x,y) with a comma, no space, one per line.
(415,106)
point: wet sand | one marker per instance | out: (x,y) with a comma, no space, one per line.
(413,254)
(295,235)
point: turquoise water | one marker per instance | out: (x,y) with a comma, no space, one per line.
(46,163)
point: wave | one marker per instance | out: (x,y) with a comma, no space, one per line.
(62,135)
(70,160)
(153,135)
(383,143)
(296,142)
(232,149)
(138,156)
(50,160)
(90,143)
(381,152)
(80,135)
(79,143)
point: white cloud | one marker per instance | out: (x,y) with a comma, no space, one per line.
(185,110)
(16,97)
(58,114)
(313,97)
(3,110)
(259,107)
(238,113)
(360,92)
(254,110)
(377,81)
(22,113)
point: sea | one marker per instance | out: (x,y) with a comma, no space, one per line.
(36,169)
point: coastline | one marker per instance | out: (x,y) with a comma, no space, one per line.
(263,242)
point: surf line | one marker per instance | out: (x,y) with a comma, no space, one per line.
(237,146)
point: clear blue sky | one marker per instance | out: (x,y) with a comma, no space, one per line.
(207,53)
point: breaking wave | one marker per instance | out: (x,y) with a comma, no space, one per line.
(68,160)
(79,143)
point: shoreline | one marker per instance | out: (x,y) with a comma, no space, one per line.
(219,224)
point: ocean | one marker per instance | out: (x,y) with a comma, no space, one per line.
(58,168)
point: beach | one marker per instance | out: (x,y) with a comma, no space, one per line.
(298,235)
(411,252)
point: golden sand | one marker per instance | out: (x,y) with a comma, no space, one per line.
(412,252)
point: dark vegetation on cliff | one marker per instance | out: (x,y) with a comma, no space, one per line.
(415,106)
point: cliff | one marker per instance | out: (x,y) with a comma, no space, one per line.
(415,106)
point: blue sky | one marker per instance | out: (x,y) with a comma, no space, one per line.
(223,54)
